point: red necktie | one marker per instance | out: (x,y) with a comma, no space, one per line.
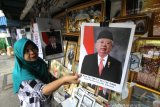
(101,66)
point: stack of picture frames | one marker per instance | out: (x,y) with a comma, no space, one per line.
(145,70)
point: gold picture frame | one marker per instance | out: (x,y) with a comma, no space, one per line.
(87,11)
(70,54)
(142,21)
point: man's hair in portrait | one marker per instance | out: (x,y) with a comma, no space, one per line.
(52,34)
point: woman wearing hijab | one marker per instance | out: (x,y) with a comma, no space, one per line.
(31,79)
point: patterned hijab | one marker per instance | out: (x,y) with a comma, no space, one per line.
(27,70)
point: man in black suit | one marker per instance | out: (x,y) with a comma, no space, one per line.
(111,68)
(53,47)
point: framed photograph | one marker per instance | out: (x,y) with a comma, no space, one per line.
(52,45)
(56,68)
(142,97)
(91,11)
(89,52)
(148,76)
(70,54)
(142,22)
(143,6)
(87,101)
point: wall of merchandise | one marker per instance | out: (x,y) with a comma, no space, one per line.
(143,85)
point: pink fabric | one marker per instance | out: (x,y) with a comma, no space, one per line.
(101,66)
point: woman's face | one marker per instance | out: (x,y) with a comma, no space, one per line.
(30,53)
(104,46)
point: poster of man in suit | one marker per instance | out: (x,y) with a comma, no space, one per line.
(104,55)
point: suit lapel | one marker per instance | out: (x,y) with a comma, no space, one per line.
(96,65)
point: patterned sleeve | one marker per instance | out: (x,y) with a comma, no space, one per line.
(33,89)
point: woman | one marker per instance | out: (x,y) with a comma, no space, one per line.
(31,79)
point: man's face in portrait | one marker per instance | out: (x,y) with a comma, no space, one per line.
(52,39)
(103,46)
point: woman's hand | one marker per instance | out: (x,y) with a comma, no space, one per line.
(54,85)
(71,78)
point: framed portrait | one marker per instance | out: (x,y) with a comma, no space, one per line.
(87,101)
(91,11)
(70,54)
(89,53)
(52,44)
(148,76)
(56,68)
(142,22)
(143,6)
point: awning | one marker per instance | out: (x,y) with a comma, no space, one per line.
(3,21)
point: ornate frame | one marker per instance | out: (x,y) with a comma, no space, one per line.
(142,22)
(74,20)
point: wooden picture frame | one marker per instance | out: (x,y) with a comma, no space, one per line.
(70,55)
(149,75)
(92,11)
(142,22)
